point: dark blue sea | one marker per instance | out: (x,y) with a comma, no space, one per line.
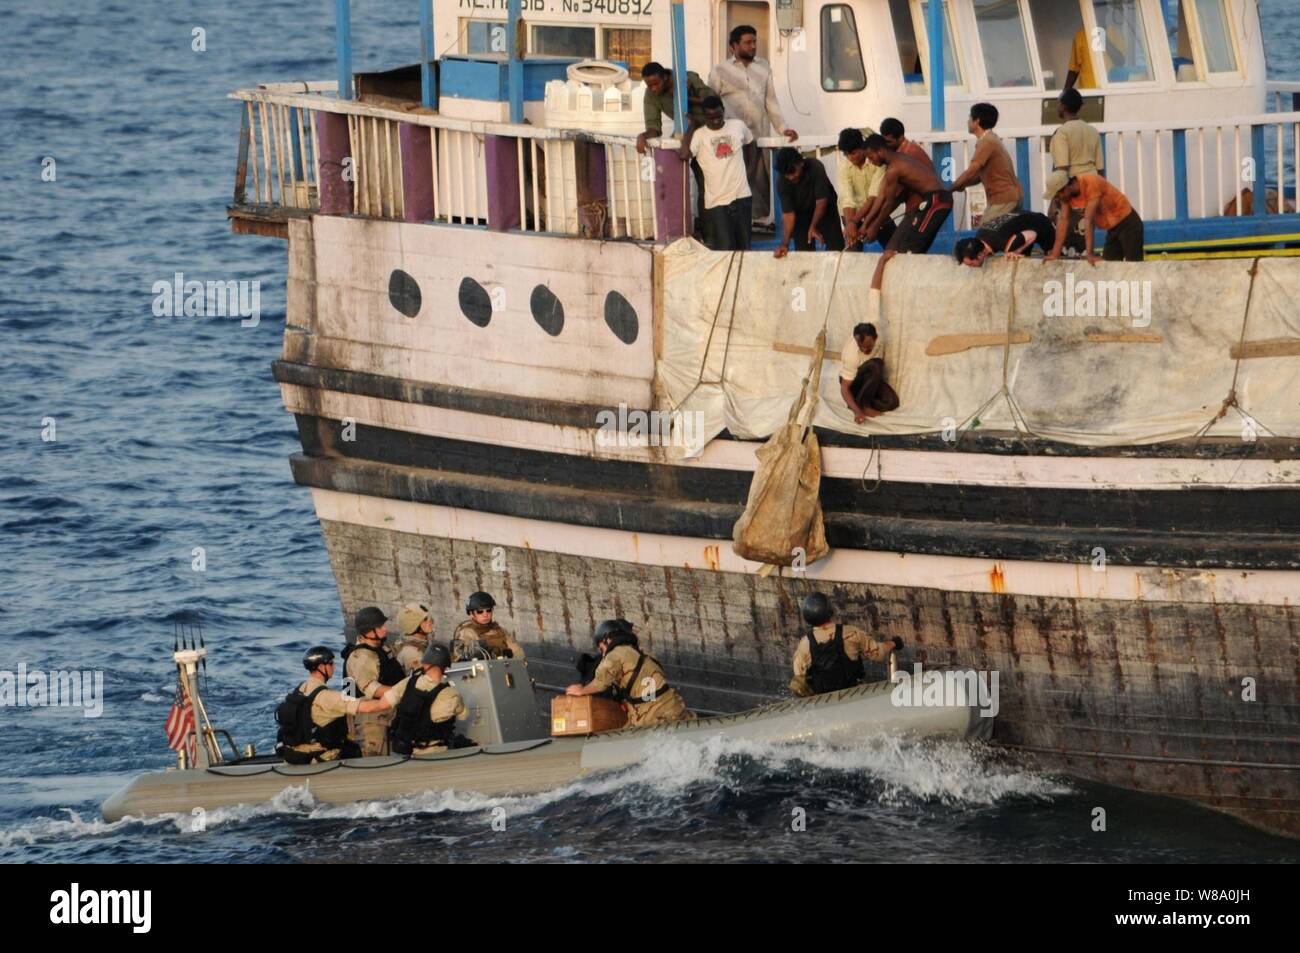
(169,436)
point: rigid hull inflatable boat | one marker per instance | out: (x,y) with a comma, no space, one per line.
(502,705)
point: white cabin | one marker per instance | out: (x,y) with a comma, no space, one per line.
(847,63)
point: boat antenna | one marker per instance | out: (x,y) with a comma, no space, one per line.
(203,645)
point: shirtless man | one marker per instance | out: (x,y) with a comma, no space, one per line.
(921,225)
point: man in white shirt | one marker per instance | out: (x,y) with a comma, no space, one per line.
(725,150)
(745,84)
(862,375)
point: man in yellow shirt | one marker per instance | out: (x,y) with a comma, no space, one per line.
(858,186)
(1081,72)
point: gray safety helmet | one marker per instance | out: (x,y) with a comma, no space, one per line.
(479,601)
(817,609)
(317,656)
(436,654)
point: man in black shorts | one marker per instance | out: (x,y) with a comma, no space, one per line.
(921,225)
(1015,235)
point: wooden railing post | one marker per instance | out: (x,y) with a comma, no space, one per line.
(501,159)
(593,192)
(417,183)
(672,196)
(336,169)
(241,166)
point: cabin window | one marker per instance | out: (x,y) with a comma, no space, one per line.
(1121,39)
(952,75)
(1216,39)
(485,36)
(842,69)
(1179,28)
(1058,27)
(909,51)
(563,41)
(1216,36)
(627,46)
(1002,37)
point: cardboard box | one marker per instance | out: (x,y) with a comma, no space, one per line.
(574,715)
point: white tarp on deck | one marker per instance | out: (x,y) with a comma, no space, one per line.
(734,327)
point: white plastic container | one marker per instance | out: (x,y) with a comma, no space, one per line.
(600,99)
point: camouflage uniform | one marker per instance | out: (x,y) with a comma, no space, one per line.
(857,645)
(491,637)
(370,731)
(617,667)
(447,705)
(326,707)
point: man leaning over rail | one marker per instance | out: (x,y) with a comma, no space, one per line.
(1104,207)
(808,203)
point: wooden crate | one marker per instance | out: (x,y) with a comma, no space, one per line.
(582,715)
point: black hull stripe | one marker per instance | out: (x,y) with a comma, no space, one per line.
(647,514)
(570,414)
(1262,514)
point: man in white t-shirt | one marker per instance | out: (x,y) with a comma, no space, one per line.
(725,150)
(862,375)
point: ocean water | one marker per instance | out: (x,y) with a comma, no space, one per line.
(169,438)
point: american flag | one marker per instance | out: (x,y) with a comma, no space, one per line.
(180,720)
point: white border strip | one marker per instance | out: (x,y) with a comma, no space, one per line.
(895,466)
(952,573)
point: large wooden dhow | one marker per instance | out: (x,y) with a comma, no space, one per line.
(1095,497)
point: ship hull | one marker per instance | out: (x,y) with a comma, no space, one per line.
(1144,694)
(1136,603)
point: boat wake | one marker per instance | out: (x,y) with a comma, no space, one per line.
(883,770)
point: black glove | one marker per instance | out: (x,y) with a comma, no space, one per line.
(898,644)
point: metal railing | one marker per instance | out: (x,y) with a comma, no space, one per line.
(280,154)
(1182,171)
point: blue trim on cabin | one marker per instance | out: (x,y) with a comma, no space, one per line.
(428,66)
(938,92)
(343,46)
(1180,174)
(1024,171)
(481,76)
(515,70)
(1259,152)
(678,9)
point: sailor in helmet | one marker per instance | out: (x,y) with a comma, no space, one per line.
(313,717)
(414,630)
(632,677)
(479,636)
(373,669)
(426,707)
(829,655)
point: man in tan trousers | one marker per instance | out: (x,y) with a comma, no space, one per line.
(633,678)
(373,669)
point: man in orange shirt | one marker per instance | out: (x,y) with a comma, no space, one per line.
(1104,207)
